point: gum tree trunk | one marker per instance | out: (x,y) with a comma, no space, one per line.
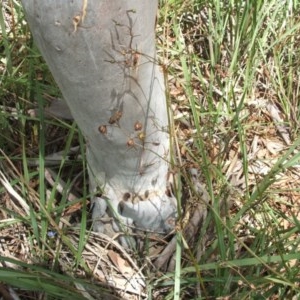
(102,55)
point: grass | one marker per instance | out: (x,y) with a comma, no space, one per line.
(231,66)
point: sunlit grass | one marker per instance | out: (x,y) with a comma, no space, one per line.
(228,64)
(238,55)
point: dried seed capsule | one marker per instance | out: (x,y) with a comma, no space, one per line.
(102,129)
(135,59)
(141,136)
(138,126)
(115,117)
(126,196)
(130,142)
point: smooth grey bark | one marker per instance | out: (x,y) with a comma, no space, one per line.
(102,55)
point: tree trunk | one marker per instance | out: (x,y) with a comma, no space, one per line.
(102,55)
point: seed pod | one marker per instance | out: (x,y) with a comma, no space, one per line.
(141,136)
(138,126)
(135,59)
(102,129)
(115,117)
(126,196)
(130,142)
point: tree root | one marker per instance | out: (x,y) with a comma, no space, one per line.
(166,260)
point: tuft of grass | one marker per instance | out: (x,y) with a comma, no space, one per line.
(231,65)
(224,60)
(49,283)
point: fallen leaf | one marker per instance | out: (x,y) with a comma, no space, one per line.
(119,262)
